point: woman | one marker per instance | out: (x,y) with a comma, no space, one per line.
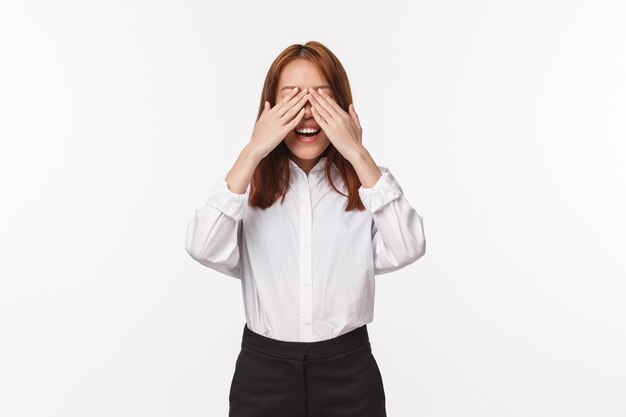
(305,219)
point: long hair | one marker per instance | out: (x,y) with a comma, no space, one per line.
(270,180)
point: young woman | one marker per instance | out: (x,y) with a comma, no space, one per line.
(305,219)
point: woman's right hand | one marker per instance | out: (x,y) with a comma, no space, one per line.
(276,122)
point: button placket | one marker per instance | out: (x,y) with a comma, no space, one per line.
(306,293)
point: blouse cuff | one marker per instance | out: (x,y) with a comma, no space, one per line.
(384,191)
(228,202)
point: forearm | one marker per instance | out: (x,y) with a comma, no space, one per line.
(365,166)
(239,176)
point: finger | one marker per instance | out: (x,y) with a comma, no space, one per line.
(285,99)
(291,103)
(355,117)
(295,109)
(331,101)
(355,120)
(280,107)
(322,100)
(321,110)
(320,120)
(292,125)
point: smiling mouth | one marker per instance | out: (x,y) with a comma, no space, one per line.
(307,133)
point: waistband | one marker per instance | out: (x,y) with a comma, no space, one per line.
(305,350)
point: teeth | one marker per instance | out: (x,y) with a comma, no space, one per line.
(307,130)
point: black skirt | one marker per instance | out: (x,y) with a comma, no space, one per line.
(338,377)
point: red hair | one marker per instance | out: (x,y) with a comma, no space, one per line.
(270,180)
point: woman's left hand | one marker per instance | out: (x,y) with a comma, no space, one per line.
(342,129)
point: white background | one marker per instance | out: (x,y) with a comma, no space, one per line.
(502,120)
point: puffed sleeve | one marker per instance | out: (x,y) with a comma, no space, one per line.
(397,229)
(214,233)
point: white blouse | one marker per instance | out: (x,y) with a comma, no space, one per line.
(306,266)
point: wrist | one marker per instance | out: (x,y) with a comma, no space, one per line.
(357,153)
(252,152)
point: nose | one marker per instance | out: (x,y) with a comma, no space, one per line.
(308,113)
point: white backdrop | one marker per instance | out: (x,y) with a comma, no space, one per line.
(503,122)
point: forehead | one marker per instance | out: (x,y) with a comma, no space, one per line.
(300,73)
